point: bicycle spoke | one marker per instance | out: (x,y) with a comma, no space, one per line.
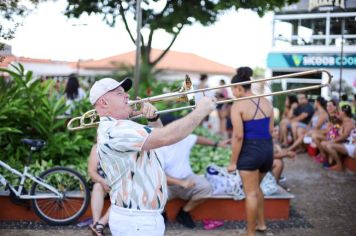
(48,206)
(75,196)
(70,205)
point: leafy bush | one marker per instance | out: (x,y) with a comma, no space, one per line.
(30,110)
(202,156)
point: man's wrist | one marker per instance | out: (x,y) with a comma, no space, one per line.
(154,118)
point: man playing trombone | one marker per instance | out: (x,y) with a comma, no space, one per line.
(126,151)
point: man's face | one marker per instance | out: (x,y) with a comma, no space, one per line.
(302,99)
(117,103)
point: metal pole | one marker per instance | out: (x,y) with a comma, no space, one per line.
(138,48)
(341,55)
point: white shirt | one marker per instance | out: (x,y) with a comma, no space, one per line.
(136,177)
(175,157)
(70,102)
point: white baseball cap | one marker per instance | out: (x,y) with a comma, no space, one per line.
(105,85)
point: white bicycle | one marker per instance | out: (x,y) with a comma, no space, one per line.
(59,196)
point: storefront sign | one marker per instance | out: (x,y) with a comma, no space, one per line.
(279,60)
(316,4)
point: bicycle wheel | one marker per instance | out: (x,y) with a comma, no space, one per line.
(65,210)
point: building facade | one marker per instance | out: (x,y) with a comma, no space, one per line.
(316,34)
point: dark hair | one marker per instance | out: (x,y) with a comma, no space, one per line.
(344,97)
(333,102)
(321,101)
(347,110)
(203,77)
(243,74)
(72,87)
(292,99)
(222,81)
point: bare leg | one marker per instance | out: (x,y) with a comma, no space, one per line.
(222,122)
(294,126)
(325,150)
(334,149)
(250,180)
(299,139)
(283,131)
(261,223)
(191,204)
(277,168)
(97,201)
(317,139)
(105,219)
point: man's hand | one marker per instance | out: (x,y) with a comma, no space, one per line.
(294,105)
(105,186)
(206,105)
(231,168)
(291,154)
(187,183)
(148,110)
(224,143)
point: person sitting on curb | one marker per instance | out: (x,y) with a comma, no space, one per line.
(182,182)
(100,190)
(278,155)
(337,146)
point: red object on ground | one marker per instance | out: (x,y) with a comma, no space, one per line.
(312,151)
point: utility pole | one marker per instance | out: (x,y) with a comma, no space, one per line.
(341,54)
(138,48)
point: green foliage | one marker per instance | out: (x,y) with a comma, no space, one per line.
(202,156)
(29,110)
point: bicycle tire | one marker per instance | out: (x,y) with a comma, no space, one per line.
(64,211)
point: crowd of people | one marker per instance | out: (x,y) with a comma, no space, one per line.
(328,126)
(141,167)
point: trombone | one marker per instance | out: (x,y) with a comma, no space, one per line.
(88,119)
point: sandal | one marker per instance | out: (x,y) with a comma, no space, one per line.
(97,229)
(261,230)
(212,224)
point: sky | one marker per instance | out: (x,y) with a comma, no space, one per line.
(237,39)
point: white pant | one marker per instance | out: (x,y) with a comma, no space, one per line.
(128,222)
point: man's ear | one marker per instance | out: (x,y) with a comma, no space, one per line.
(103,102)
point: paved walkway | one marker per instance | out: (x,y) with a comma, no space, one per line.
(325,203)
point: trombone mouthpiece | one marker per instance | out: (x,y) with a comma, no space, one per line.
(132,102)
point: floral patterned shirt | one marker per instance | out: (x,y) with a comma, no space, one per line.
(136,177)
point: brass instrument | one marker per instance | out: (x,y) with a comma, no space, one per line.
(91,115)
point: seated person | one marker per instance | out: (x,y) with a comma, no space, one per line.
(278,156)
(100,190)
(337,146)
(182,182)
(286,118)
(332,132)
(302,116)
(317,123)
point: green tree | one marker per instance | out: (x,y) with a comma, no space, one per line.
(10,13)
(173,16)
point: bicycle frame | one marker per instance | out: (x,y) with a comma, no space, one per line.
(23,176)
